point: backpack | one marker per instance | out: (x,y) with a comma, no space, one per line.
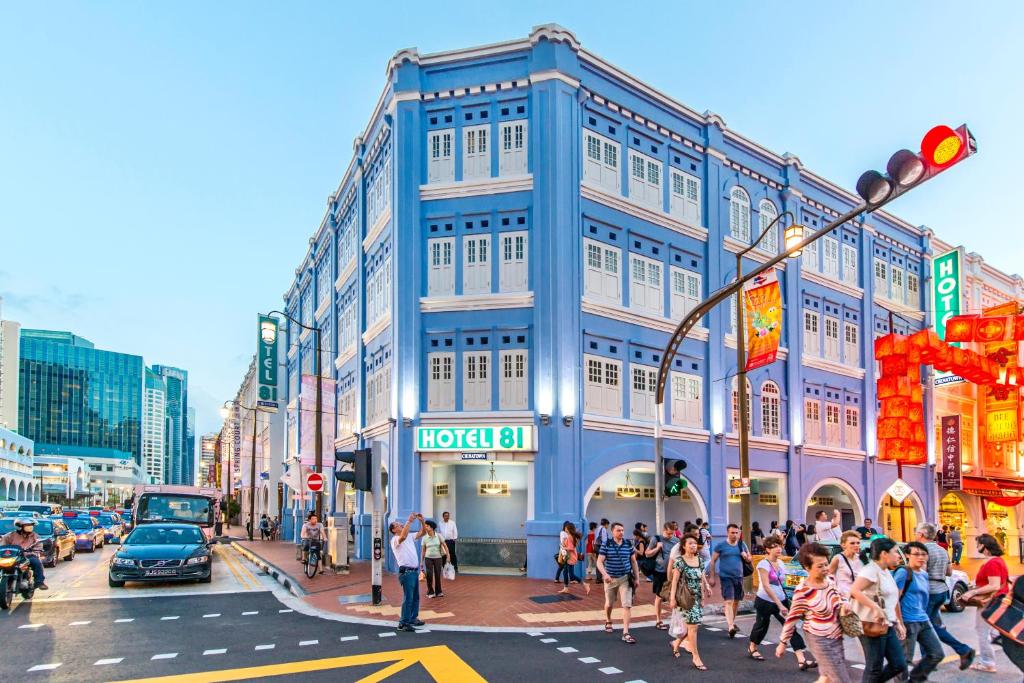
(600,538)
(647,565)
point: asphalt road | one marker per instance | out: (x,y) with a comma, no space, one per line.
(259,633)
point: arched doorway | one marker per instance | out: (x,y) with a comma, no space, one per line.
(835,494)
(953,512)
(1001,522)
(626,494)
(899,520)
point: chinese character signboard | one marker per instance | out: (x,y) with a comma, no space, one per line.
(949,448)
(762,311)
(266,364)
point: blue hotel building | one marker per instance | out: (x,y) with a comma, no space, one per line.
(519,230)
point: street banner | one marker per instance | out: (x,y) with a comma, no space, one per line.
(949,447)
(266,363)
(307,421)
(762,311)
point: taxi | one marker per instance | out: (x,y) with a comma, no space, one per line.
(89,535)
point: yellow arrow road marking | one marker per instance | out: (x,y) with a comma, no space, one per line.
(439,661)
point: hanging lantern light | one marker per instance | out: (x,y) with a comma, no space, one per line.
(491,487)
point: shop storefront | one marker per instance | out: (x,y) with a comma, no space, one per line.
(483,476)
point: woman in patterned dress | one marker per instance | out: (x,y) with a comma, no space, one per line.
(689,567)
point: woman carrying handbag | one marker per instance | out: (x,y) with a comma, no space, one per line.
(876,601)
(687,591)
(992,580)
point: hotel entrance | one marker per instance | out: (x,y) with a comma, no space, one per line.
(489,493)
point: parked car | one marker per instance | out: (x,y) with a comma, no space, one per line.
(957,582)
(88,532)
(162,552)
(58,542)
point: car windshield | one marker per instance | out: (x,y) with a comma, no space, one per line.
(44,527)
(80,524)
(161,535)
(108,520)
(168,507)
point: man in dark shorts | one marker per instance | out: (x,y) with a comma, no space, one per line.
(728,558)
(661,550)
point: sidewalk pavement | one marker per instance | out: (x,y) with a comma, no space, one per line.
(469,601)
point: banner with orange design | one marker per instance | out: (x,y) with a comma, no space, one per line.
(762,311)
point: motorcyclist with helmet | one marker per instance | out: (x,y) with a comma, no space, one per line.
(25,537)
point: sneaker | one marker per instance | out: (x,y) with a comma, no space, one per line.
(42,587)
(966,660)
(419,622)
(439,595)
(430,595)
(406,628)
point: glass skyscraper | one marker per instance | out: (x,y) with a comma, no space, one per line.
(179,467)
(76,399)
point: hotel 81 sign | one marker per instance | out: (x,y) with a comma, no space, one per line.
(266,363)
(483,438)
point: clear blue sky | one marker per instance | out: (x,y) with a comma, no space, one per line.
(162,165)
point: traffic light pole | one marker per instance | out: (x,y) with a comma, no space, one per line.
(377,525)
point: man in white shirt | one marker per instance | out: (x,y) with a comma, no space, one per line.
(450,533)
(404,548)
(825,530)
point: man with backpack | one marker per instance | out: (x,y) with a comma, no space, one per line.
(912,580)
(704,540)
(601,536)
(661,550)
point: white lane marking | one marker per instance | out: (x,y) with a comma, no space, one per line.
(113,660)
(284,611)
(549,640)
(345,639)
(857,666)
(268,646)
(218,651)
(589,660)
(712,628)
(638,680)
(610,670)
(31,625)
(166,655)
(534,635)
(767,642)
(168,618)
(79,623)
(245,614)
(123,621)
(423,630)
(567,650)
(304,643)
(43,667)
(211,616)
(386,634)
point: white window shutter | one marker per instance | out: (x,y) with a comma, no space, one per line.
(476,383)
(513,267)
(476,152)
(812,343)
(512,150)
(850,265)
(476,265)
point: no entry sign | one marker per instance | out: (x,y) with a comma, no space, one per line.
(314,482)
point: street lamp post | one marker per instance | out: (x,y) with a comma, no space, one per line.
(794,232)
(318,427)
(252,465)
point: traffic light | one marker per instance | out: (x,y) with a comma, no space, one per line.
(941,148)
(674,481)
(359,474)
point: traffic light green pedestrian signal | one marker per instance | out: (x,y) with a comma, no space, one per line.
(675,483)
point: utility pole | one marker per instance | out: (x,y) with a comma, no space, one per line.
(377,524)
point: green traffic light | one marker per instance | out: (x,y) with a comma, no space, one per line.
(675,485)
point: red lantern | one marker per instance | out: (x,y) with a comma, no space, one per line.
(888,428)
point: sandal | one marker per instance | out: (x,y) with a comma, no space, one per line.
(675,649)
(628,639)
(607,627)
(661,626)
(756,656)
(733,631)
(808,664)
(699,667)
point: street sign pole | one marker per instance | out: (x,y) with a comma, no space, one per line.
(377,529)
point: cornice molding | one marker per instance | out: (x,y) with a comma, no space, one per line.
(899,309)
(832,366)
(627,315)
(833,452)
(375,329)
(763,443)
(382,221)
(819,279)
(339,284)
(627,206)
(476,188)
(757,254)
(476,302)
(618,425)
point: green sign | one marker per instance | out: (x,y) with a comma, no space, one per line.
(484,438)
(947,289)
(266,363)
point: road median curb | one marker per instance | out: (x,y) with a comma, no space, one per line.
(290,583)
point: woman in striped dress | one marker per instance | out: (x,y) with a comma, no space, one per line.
(817,602)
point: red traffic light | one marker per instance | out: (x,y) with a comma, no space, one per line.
(942,146)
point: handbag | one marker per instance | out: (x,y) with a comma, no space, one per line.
(975,601)
(1006,615)
(872,629)
(684,596)
(851,625)
(748,566)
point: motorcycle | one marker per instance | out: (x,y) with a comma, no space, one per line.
(15,575)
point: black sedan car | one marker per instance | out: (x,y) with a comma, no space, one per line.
(58,542)
(162,552)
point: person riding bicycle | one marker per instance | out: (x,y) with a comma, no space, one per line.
(25,537)
(312,530)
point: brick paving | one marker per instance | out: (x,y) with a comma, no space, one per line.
(470,600)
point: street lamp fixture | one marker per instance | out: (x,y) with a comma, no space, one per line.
(268,332)
(793,236)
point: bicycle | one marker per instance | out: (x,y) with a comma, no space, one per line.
(312,558)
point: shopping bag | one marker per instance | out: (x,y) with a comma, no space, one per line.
(448,572)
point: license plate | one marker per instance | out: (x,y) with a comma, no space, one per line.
(160,572)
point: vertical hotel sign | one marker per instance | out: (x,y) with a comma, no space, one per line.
(762,311)
(951,461)
(947,297)
(266,363)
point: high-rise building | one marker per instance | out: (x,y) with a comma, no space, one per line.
(177,463)
(77,400)
(154,428)
(207,475)
(191,462)
(9,353)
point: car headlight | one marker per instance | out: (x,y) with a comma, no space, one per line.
(201,559)
(84,537)
(123,562)
(7,562)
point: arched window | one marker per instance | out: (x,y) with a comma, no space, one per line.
(770,409)
(735,409)
(739,215)
(767,213)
